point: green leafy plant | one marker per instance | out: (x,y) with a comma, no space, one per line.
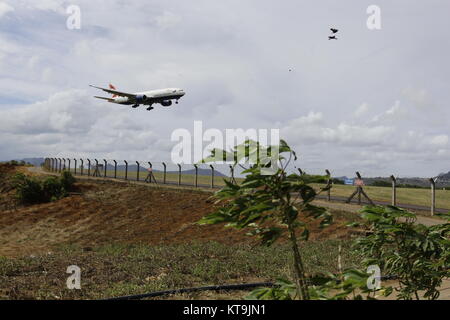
(28,190)
(31,190)
(417,255)
(270,205)
(67,180)
(350,284)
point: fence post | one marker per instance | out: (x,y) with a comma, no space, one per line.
(212,176)
(359,187)
(301,171)
(115,169)
(96,174)
(82,166)
(433,196)
(51,164)
(329,182)
(68,160)
(165,170)
(89,167)
(64,164)
(394,190)
(179,173)
(233,180)
(196,175)
(104,170)
(60,164)
(126,169)
(150,165)
(75,166)
(137,171)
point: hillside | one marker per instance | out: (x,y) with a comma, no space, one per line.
(108,212)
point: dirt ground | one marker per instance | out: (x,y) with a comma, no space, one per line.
(107,212)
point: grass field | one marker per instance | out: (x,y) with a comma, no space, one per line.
(411,196)
(170,177)
(123,269)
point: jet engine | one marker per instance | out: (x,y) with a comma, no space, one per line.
(140,98)
(166,103)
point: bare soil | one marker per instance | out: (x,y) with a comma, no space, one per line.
(104,212)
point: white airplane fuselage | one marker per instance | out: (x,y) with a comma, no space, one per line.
(161,96)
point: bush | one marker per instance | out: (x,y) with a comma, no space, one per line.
(67,180)
(53,189)
(381,183)
(30,190)
(417,255)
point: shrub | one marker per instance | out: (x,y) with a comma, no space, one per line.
(381,183)
(270,204)
(417,255)
(30,190)
(67,180)
(53,189)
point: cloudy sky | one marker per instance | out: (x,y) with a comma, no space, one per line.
(374,100)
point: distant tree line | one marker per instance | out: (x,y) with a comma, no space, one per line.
(382,183)
(16,163)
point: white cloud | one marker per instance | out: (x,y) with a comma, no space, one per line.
(48,5)
(439,140)
(5,8)
(361,110)
(393,114)
(167,20)
(234,66)
(310,129)
(419,97)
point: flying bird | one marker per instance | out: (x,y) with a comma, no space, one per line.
(334,30)
(332,38)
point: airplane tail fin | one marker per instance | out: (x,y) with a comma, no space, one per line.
(113,88)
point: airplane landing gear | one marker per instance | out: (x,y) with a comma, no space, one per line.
(135,106)
(150,108)
(176,101)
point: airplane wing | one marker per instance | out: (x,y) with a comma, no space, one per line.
(105,98)
(118,93)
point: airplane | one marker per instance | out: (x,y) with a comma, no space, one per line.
(161,96)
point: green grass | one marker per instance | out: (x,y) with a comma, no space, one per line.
(413,196)
(119,269)
(170,177)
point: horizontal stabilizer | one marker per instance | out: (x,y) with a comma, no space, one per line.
(105,98)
